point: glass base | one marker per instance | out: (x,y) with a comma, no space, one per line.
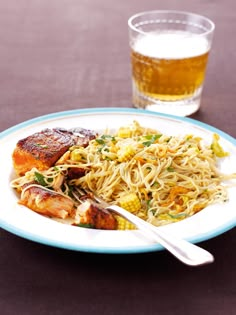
(184,107)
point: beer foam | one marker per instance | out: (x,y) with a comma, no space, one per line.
(169,45)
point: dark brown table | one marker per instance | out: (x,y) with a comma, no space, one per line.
(67,54)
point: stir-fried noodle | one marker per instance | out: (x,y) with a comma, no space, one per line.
(173,176)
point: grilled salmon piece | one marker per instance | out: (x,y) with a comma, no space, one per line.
(46,202)
(98,218)
(43,149)
(83,136)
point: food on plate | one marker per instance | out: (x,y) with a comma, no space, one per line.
(44,148)
(41,150)
(158,177)
(89,214)
(46,201)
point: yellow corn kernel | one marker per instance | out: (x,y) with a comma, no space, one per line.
(75,155)
(123,224)
(124,132)
(125,153)
(130,202)
(164,216)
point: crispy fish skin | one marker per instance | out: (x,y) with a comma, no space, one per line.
(97,217)
(83,136)
(46,202)
(43,149)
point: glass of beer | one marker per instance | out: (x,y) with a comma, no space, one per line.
(169,55)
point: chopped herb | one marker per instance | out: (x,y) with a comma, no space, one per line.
(112,138)
(151,139)
(103,138)
(170,169)
(177,216)
(148,203)
(40,179)
(189,137)
(86,225)
(147,143)
(153,211)
(100,141)
(70,191)
(43,146)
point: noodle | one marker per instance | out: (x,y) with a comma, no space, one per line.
(174,177)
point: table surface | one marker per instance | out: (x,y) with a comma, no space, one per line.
(67,54)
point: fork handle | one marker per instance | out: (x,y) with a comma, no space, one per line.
(186,252)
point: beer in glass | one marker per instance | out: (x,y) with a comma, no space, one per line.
(169,54)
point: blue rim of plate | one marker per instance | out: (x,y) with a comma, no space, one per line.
(111,250)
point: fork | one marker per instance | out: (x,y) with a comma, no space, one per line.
(183,250)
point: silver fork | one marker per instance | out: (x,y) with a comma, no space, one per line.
(185,251)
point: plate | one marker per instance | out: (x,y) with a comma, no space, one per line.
(210,222)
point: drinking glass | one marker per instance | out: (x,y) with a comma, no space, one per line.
(169,56)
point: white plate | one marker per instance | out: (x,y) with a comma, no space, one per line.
(210,222)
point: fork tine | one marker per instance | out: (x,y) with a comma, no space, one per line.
(90,195)
(80,195)
(76,196)
(79,190)
(84,194)
(96,198)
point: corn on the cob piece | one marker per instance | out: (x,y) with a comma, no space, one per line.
(130,202)
(123,224)
(125,153)
(124,132)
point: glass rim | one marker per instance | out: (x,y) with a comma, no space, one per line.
(187,13)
